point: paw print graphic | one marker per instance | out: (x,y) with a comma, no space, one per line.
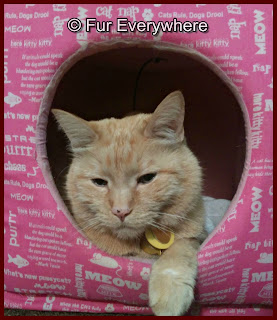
(109,307)
(147,15)
(145,273)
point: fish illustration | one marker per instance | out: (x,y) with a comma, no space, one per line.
(110,291)
(266,258)
(267,291)
(106,262)
(18,261)
(12,99)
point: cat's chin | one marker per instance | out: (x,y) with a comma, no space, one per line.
(126,232)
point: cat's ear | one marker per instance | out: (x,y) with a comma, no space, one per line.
(167,121)
(79,133)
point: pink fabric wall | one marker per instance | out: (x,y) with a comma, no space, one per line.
(48,264)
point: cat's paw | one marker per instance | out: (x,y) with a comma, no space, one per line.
(168,294)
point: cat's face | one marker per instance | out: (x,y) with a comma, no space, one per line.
(128,174)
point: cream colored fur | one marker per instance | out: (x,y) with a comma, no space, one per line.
(120,151)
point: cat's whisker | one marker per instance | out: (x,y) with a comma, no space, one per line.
(157,227)
(92,223)
(172,215)
(56,178)
(176,216)
(165,231)
(88,218)
(161,227)
(86,227)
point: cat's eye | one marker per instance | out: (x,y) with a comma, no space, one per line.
(99,182)
(146,178)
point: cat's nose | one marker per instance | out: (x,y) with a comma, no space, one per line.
(121,213)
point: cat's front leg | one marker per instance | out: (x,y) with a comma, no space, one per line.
(172,279)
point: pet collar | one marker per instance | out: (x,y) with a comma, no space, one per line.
(156,241)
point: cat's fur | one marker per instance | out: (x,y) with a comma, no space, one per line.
(120,151)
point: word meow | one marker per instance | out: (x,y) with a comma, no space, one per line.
(259,29)
(108,279)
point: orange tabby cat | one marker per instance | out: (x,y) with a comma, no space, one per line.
(134,173)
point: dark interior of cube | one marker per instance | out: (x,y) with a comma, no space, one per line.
(118,81)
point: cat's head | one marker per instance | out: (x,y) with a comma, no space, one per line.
(128,174)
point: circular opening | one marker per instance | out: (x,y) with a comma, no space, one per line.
(100,81)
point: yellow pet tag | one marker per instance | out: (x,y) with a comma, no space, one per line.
(156,241)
